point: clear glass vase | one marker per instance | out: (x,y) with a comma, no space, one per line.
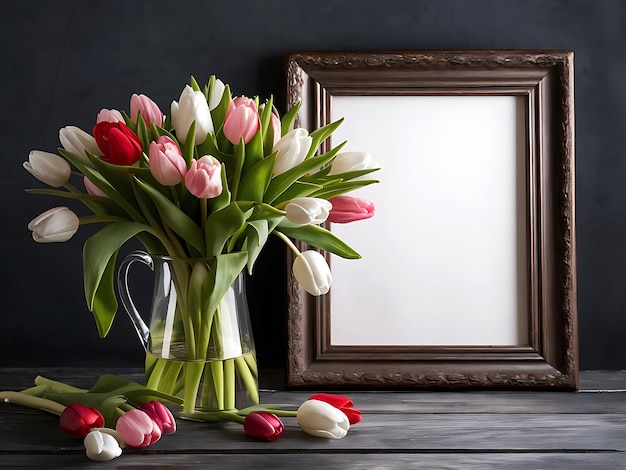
(199,343)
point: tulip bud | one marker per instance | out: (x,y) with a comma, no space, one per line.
(101,446)
(342,403)
(77,141)
(55,225)
(191,106)
(48,168)
(161,415)
(352,161)
(77,419)
(307,210)
(312,272)
(92,188)
(109,115)
(275,128)
(167,164)
(321,419)
(292,148)
(137,429)
(149,110)
(216,93)
(263,425)
(118,142)
(350,209)
(241,121)
(204,177)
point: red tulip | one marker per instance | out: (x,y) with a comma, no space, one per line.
(241,121)
(137,429)
(349,209)
(77,420)
(161,415)
(263,425)
(342,403)
(120,144)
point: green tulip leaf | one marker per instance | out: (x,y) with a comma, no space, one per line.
(267,131)
(221,225)
(226,269)
(288,120)
(180,222)
(255,181)
(282,182)
(321,134)
(188,147)
(98,251)
(219,113)
(337,189)
(321,238)
(142,133)
(133,391)
(297,189)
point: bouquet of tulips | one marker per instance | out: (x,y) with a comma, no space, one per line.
(211,180)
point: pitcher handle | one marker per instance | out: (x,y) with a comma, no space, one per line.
(122,284)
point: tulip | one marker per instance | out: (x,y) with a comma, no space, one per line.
(149,110)
(161,415)
(341,403)
(275,125)
(120,144)
(101,446)
(55,225)
(77,141)
(292,149)
(216,93)
(352,161)
(204,177)
(137,429)
(109,115)
(167,163)
(349,209)
(307,210)
(77,420)
(312,272)
(48,168)
(321,419)
(92,188)
(191,106)
(263,425)
(241,121)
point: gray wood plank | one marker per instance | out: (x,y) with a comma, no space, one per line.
(349,461)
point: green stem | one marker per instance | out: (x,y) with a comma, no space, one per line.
(57,387)
(193,376)
(203,212)
(94,219)
(30,401)
(287,241)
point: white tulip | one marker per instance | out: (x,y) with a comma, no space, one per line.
(76,141)
(192,106)
(216,93)
(308,210)
(48,168)
(55,225)
(312,272)
(321,419)
(352,161)
(292,149)
(102,446)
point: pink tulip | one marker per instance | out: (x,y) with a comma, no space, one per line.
(77,419)
(275,124)
(150,112)
(137,429)
(161,415)
(263,425)
(241,121)
(167,164)
(92,188)
(342,403)
(204,177)
(349,209)
(109,115)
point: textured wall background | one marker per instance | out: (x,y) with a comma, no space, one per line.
(63,61)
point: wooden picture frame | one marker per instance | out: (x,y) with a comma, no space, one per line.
(540,87)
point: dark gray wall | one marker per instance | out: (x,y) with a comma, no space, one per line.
(63,61)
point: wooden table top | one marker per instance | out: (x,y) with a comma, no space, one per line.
(400,430)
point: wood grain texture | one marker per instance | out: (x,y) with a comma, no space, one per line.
(434,430)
